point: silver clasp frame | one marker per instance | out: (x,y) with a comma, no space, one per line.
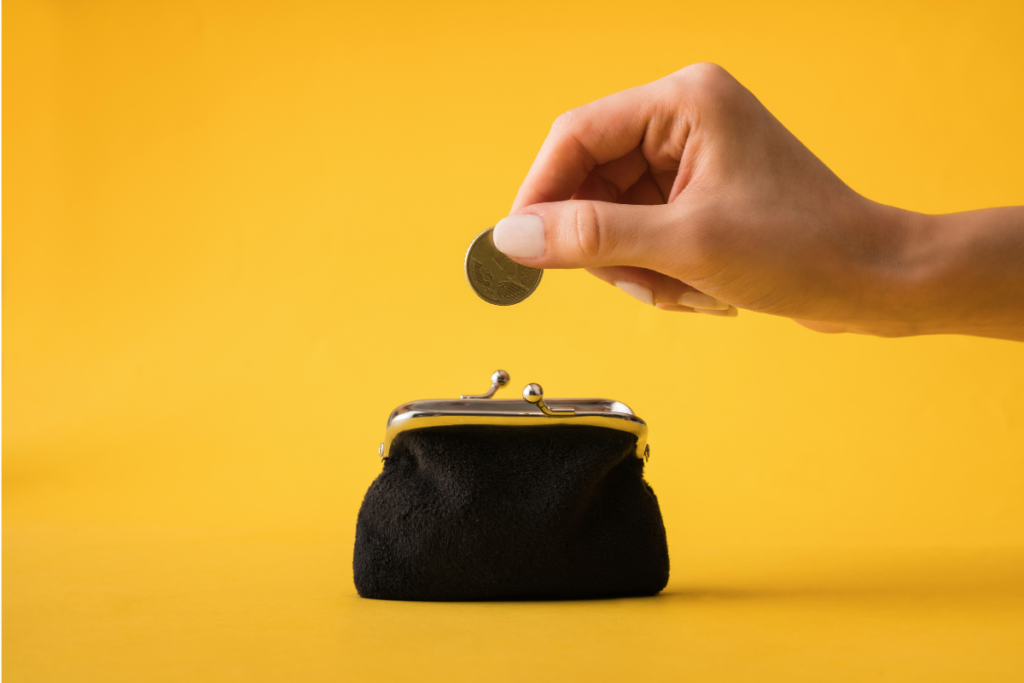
(482,409)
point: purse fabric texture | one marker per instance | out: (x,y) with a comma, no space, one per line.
(478,512)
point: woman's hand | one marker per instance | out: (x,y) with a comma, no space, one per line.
(689,195)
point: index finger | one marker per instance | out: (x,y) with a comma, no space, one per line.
(582,139)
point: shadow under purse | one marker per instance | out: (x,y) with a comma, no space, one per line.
(484,499)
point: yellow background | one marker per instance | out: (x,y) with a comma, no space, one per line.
(233,236)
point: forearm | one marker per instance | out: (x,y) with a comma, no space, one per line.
(966,273)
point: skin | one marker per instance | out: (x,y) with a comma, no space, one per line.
(690,184)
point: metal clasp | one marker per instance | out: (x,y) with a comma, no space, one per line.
(533,393)
(499,379)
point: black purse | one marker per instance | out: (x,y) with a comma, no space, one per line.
(484,499)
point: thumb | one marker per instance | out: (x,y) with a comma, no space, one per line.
(586,234)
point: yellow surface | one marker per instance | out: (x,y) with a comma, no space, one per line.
(159,604)
(232,244)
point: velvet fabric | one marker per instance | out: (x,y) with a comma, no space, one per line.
(479,512)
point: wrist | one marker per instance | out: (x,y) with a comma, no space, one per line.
(890,290)
(960,273)
(917,294)
(905,273)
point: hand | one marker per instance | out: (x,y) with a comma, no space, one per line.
(689,195)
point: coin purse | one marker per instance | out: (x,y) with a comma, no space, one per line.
(487,499)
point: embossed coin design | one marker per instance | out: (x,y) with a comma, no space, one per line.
(496,278)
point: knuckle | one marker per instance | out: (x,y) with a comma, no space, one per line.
(564,121)
(707,73)
(587,232)
(711,81)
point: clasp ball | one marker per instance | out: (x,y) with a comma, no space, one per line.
(500,377)
(533,393)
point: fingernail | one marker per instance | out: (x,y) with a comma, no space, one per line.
(521,235)
(698,300)
(638,292)
(730,312)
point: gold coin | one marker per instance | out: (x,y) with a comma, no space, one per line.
(496,278)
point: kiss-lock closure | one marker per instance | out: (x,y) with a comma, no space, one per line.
(532,411)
